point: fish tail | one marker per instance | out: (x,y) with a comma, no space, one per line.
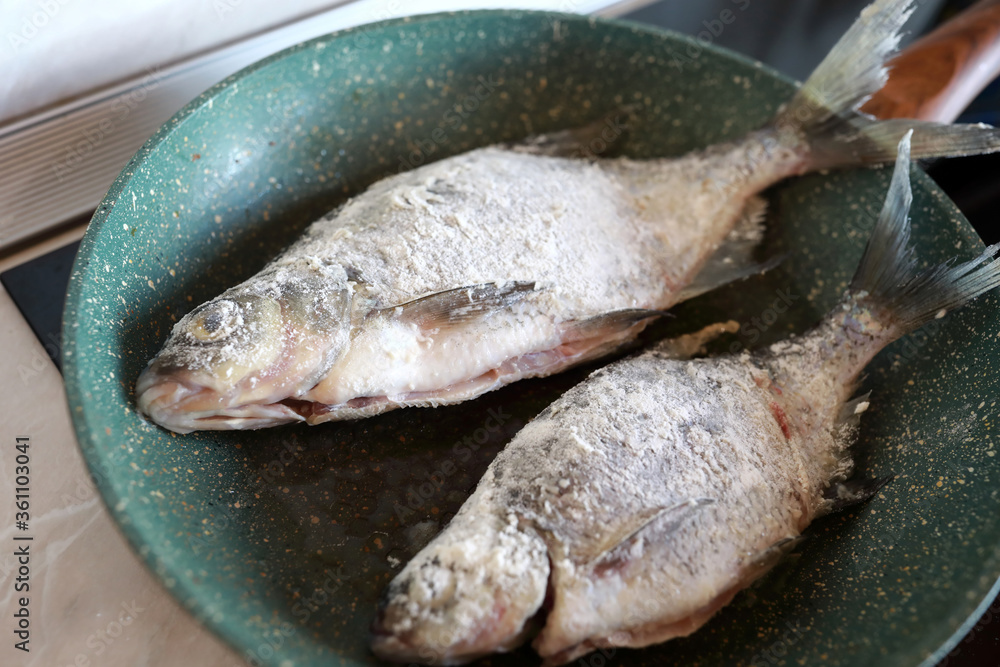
(888,280)
(826,109)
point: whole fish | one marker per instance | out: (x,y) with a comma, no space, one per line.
(640,502)
(436,285)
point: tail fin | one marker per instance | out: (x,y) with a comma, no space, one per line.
(887,278)
(826,109)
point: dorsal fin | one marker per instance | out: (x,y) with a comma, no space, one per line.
(600,138)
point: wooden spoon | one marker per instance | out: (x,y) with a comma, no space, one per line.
(938,75)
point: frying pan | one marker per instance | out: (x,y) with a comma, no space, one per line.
(281,540)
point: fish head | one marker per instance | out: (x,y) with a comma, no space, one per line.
(472,591)
(239,360)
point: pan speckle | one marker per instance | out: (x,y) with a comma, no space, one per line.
(282,540)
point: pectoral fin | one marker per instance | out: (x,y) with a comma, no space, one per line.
(597,139)
(853,492)
(762,562)
(631,526)
(596,336)
(850,414)
(607,325)
(456,307)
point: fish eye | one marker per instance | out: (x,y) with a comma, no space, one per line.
(217,321)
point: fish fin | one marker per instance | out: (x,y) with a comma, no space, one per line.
(692,344)
(767,558)
(733,260)
(852,492)
(607,324)
(888,280)
(849,417)
(750,226)
(597,336)
(588,141)
(722,269)
(826,109)
(459,306)
(631,526)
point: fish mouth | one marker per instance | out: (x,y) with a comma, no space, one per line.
(177,401)
(456,601)
(503,629)
(387,645)
(182,405)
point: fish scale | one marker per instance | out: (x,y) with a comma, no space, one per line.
(599,234)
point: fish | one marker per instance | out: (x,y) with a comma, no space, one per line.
(512,261)
(637,505)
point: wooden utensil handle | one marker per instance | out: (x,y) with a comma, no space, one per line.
(938,75)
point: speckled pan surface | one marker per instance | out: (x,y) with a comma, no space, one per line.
(281,540)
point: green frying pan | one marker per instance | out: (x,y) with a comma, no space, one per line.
(281,540)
